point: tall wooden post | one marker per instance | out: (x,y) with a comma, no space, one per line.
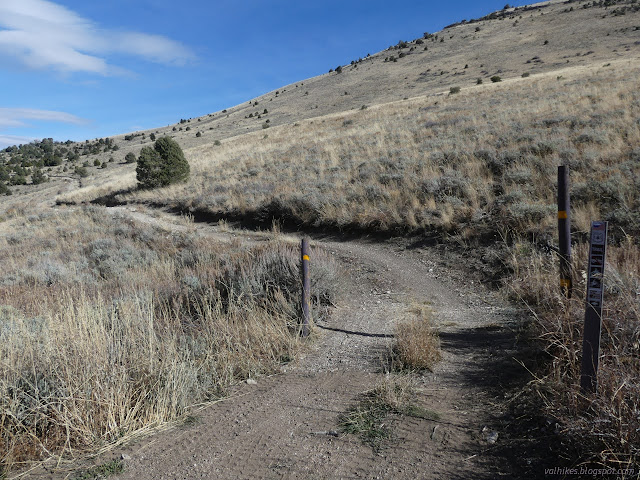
(306,287)
(564,230)
(593,314)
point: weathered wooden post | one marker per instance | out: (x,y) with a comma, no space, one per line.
(564,230)
(593,314)
(306,287)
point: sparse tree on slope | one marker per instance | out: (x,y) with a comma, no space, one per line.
(161,165)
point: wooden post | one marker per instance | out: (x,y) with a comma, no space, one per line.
(306,287)
(564,230)
(593,314)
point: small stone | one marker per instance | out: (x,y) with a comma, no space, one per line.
(251,381)
(490,436)
(124,456)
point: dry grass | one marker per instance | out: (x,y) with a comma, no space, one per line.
(416,345)
(108,326)
(607,424)
(121,182)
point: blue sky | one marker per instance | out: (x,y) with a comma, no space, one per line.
(78,69)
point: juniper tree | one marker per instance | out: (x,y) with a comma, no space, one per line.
(161,165)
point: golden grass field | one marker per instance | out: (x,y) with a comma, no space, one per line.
(397,154)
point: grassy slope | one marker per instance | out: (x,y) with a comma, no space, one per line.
(475,163)
(500,47)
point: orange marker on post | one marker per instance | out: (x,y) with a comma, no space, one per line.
(306,287)
(564,230)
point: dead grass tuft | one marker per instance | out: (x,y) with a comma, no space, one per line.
(417,345)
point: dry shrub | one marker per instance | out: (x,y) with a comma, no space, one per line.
(417,345)
(370,417)
(605,427)
(113,326)
(394,391)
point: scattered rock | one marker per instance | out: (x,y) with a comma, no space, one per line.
(124,456)
(490,436)
(331,433)
(251,381)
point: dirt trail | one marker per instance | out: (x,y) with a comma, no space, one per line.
(286,425)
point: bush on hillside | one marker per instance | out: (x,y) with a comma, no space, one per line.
(161,165)
(130,157)
(18,180)
(37,177)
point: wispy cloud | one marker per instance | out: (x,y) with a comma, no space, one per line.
(44,35)
(8,140)
(22,117)
(17,117)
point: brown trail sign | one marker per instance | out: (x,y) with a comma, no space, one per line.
(593,314)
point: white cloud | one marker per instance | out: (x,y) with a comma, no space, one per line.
(42,34)
(20,117)
(9,140)
(16,117)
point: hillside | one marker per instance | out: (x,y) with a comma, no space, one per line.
(445,150)
(535,40)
